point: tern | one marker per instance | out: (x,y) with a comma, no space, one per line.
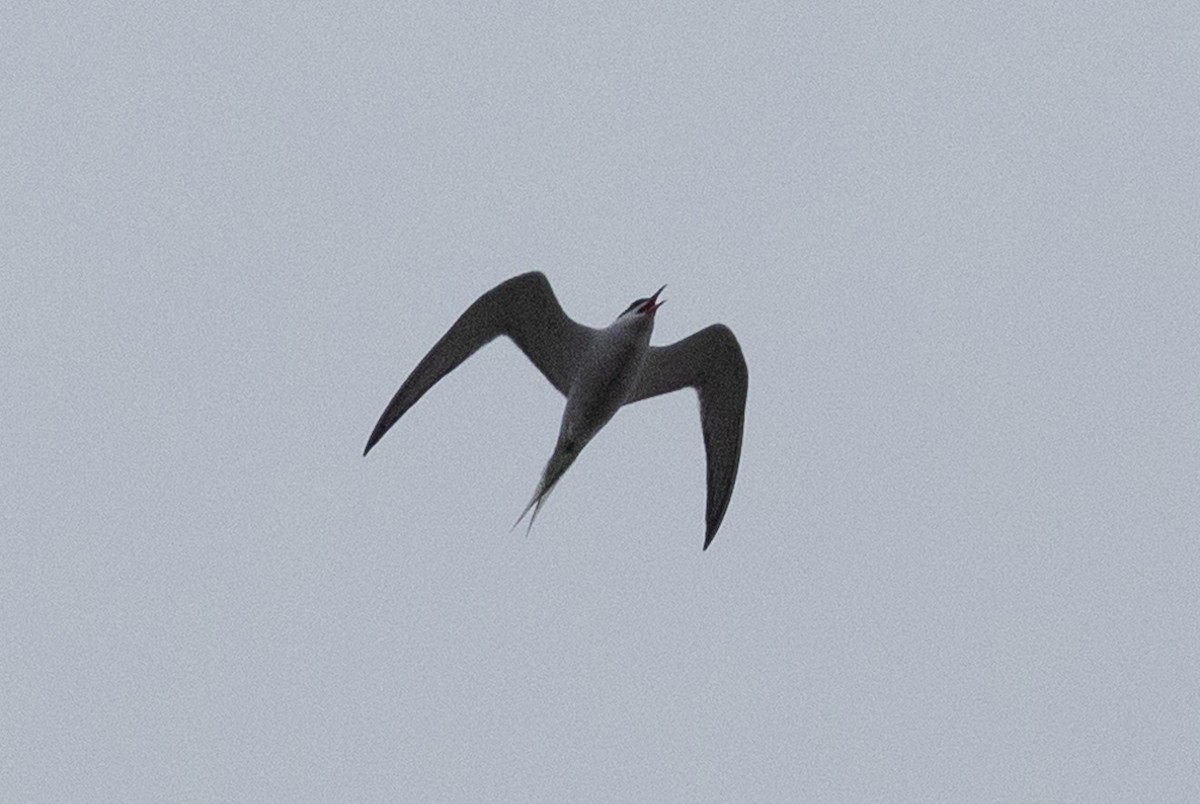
(598,371)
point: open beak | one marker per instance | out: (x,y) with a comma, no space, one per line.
(654,303)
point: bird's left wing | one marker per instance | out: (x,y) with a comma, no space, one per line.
(711,362)
(523,308)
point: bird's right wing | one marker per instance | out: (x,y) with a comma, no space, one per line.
(711,362)
(523,308)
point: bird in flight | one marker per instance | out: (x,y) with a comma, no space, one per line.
(598,371)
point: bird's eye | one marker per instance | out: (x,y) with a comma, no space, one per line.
(635,305)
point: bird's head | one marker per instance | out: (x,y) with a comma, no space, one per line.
(644,307)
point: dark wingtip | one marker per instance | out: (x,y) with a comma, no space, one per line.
(381,428)
(708,538)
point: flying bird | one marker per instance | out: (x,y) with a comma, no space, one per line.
(598,371)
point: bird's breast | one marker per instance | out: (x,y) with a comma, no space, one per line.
(602,384)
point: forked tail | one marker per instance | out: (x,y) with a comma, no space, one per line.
(564,455)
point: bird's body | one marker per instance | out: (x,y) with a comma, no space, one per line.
(602,384)
(598,370)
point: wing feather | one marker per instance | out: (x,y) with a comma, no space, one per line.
(523,308)
(710,361)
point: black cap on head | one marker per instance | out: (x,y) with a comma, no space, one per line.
(646,306)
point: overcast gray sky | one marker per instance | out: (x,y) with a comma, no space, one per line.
(959,246)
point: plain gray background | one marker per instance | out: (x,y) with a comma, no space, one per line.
(959,247)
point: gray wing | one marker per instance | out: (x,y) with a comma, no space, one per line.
(711,362)
(523,308)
